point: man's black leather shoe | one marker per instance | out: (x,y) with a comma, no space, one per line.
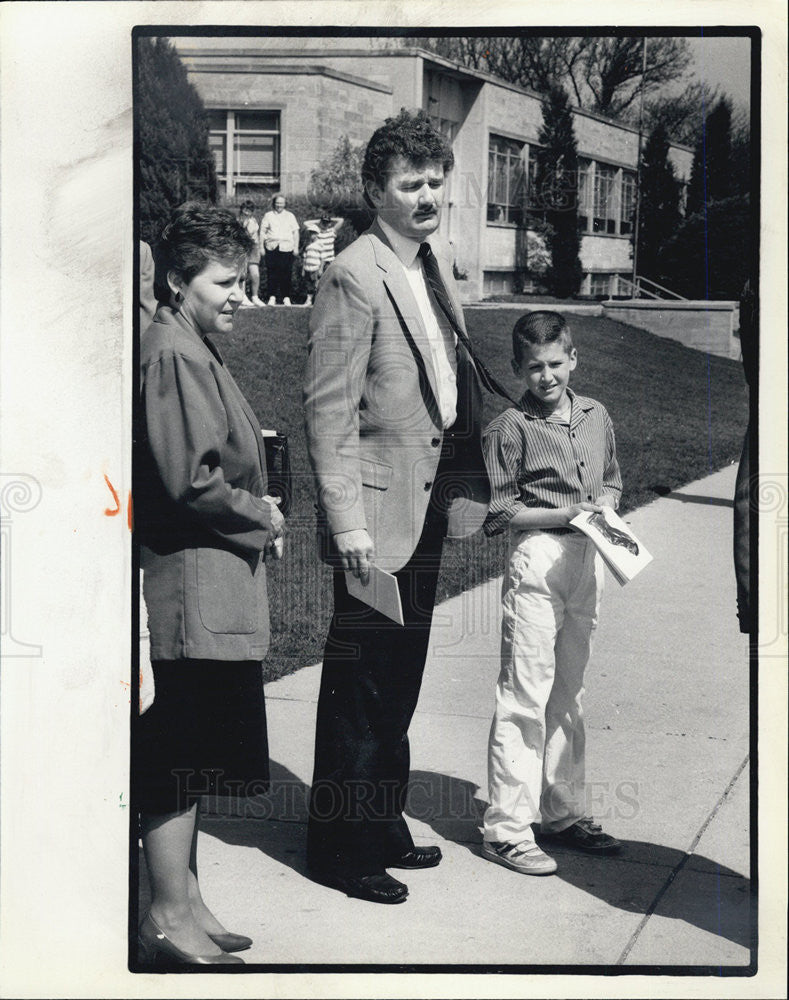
(418,857)
(376,888)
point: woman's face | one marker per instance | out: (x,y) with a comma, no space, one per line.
(279,204)
(211,298)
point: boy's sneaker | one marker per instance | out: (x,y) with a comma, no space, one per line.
(286,301)
(526,858)
(272,301)
(585,835)
(257,301)
(246,304)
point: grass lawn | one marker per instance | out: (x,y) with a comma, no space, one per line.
(678,414)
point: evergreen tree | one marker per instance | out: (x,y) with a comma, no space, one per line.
(711,254)
(175,161)
(719,152)
(710,176)
(557,193)
(659,203)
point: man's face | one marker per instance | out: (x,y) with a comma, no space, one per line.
(279,204)
(411,200)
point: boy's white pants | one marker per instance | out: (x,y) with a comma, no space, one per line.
(551,598)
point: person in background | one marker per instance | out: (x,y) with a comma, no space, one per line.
(311,264)
(548,459)
(281,241)
(326,227)
(204,524)
(250,224)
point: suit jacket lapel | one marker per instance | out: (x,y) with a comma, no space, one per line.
(396,282)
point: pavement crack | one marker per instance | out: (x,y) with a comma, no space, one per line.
(681,864)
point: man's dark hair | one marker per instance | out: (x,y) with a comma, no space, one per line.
(541,327)
(410,135)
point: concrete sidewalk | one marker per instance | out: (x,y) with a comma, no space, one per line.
(667,766)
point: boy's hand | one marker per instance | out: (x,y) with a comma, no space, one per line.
(606,500)
(579,508)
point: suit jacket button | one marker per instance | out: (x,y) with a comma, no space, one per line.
(435,442)
(428,487)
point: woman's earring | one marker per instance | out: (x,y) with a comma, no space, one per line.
(178,298)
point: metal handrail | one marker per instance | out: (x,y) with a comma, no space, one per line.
(638,289)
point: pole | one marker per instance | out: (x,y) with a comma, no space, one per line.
(638,167)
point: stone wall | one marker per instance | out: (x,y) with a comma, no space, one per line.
(705,326)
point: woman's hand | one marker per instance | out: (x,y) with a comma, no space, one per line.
(275,544)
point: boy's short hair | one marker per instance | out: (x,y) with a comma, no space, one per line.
(542,327)
(248,204)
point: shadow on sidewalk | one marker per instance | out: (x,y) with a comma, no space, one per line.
(669,494)
(274,823)
(644,877)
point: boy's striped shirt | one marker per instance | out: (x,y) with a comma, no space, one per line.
(536,462)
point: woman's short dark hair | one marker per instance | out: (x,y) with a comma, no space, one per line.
(196,234)
(410,135)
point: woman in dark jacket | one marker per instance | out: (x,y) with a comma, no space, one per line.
(205,526)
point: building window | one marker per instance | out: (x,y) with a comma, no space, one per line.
(246,147)
(600,285)
(604,210)
(683,198)
(505,180)
(498,282)
(584,193)
(627,203)
(537,209)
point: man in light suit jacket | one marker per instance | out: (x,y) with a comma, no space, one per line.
(393,413)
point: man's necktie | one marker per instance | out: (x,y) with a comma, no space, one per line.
(436,282)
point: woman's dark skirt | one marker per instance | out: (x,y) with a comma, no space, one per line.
(204,734)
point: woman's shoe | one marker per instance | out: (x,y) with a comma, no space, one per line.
(155,945)
(231,942)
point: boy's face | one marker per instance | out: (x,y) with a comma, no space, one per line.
(546,369)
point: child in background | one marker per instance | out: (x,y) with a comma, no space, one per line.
(311,263)
(250,223)
(326,227)
(548,460)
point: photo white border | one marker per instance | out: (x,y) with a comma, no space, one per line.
(65,365)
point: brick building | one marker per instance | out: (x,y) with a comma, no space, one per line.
(278,106)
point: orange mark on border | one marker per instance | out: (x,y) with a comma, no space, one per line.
(108,511)
(130,513)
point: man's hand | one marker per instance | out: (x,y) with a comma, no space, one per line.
(355,549)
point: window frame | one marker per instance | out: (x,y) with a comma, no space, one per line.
(512,210)
(232,135)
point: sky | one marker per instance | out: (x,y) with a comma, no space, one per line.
(725,62)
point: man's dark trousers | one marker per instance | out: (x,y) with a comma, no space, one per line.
(372,673)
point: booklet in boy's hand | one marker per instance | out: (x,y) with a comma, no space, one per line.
(380,592)
(622,552)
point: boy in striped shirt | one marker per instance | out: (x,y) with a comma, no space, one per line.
(548,460)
